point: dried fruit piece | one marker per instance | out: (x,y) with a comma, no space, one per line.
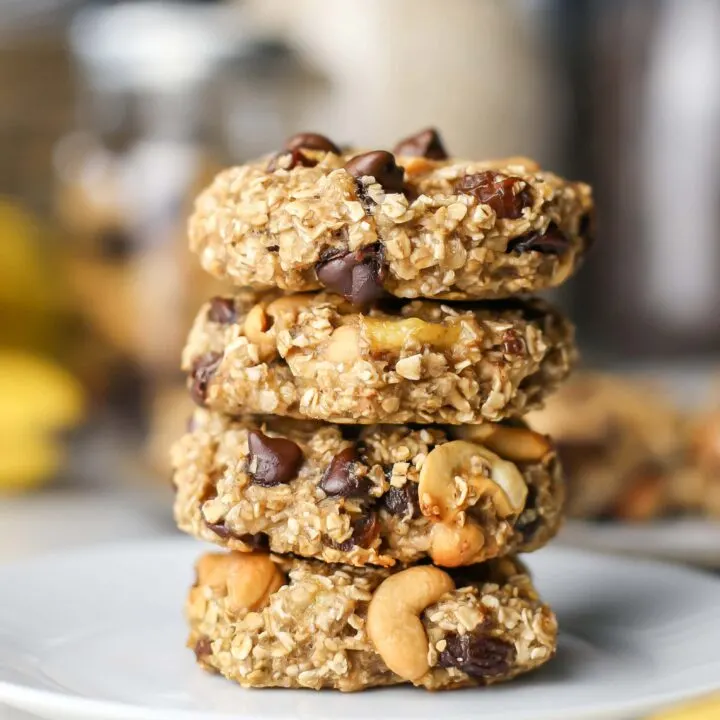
(426,143)
(222,310)
(341,478)
(272,461)
(357,276)
(551,242)
(478,654)
(381,165)
(498,191)
(402,501)
(203,369)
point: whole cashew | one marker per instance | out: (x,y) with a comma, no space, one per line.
(393,619)
(518,444)
(248,578)
(437,487)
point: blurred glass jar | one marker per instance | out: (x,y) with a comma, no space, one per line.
(126,178)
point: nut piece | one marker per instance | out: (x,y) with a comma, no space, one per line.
(439,491)
(344,345)
(248,579)
(393,619)
(385,334)
(512,443)
(257,325)
(453,545)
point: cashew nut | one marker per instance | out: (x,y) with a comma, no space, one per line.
(453,545)
(385,334)
(248,579)
(438,490)
(393,620)
(256,327)
(343,345)
(518,444)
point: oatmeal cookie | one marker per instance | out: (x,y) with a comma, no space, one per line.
(316,356)
(265,621)
(415,223)
(621,445)
(377,495)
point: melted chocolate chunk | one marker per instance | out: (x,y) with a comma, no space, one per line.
(497,191)
(402,501)
(273,461)
(341,479)
(357,276)
(551,242)
(202,373)
(477,654)
(257,541)
(311,141)
(426,143)
(222,310)
(381,165)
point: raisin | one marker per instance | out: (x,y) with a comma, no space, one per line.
(497,191)
(477,654)
(550,242)
(203,370)
(402,501)
(222,310)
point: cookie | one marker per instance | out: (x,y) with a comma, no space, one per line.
(415,223)
(317,356)
(264,621)
(384,495)
(621,446)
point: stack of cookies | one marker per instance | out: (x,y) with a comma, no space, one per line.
(358,452)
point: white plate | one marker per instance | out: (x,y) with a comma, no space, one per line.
(695,542)
(98,634)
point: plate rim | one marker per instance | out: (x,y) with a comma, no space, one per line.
(59,704)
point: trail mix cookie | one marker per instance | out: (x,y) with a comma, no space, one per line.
(264,621)
(621,445)
(317,356)
(413,223)
(376,495)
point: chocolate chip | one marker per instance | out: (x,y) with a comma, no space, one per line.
(311,141)
(357,276)
(222,310)
(257,541)
(272,461)
(381,165)
(297,157)
(202,648)
(551,242)
(402,501)
(426,143)
(497,191)
(115,244)
(203,369)
(341,479)
(512,343)
(477,654)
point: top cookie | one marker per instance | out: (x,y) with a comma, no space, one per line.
(412,224)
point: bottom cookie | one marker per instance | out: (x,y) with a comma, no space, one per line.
(266,621)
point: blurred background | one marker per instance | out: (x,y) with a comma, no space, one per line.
(114,114)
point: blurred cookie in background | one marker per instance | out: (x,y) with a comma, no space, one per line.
(704,461)
(171,409)
(621,444)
